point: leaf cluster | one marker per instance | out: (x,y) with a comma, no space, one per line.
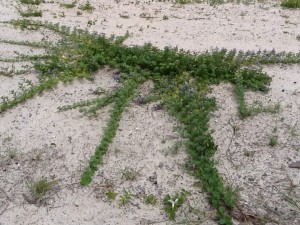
(173,203)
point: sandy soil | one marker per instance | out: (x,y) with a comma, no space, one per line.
(57,145)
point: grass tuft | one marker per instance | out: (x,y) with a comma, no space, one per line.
(130,174)
(111,195)
(273,141)
(151,200)
(125,198)
(39,188)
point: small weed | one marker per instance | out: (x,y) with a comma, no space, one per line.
(273,141)
(151,200)
(87,7)
(176,147)
(68,5)
(165,17)
(11,153)
(125,198)
(293,129)
(171,204)
(91,22)
(111,195)
(291,185)
(79,13)
(249,153)
(31,12)
(31,2)
(7,139)
(130,173)
(290,3)
(39,188)
(25,24)
(292,201)
(259,108)
(183,2)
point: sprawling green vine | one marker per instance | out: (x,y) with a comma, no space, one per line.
(181,80)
